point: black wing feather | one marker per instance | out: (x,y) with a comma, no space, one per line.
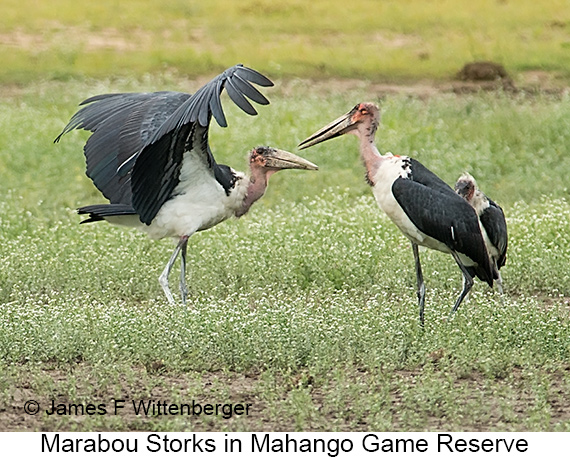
(423,175)
(146,134)
(203,105)
(99,212)
(216,107)
(493,220)
(156,171)
(253,76)
(249,91)
(239,99)
(444,216)
(121,124)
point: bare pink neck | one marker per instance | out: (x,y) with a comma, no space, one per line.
(369,154)
(255,189)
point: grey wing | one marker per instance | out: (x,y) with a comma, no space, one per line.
(122,124)
(446,217)
(493,220)
(206,101)
(156,172)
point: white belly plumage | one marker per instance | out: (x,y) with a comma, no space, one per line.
(199,203)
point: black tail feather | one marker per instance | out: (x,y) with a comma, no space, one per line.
(482,274)
(99,212)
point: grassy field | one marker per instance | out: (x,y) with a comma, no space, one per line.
(389,40)
(305,307)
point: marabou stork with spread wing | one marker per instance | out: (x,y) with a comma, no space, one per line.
(493,221)
(421,205)
(149,156)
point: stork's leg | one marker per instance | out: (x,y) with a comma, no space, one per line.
(183,288)
(467,283)
(499,283)
(163,278)
(421,286)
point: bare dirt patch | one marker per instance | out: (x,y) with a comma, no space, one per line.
(24,40)
(88,40)
(273,407)
(58,36)
(72,391)
(396,40)
(535,83)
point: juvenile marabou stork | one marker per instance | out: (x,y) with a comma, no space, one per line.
(493,221)
(149,156)
(421,205)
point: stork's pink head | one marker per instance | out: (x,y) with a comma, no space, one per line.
(263,162)
(363,119)
(365,112)
(270,160)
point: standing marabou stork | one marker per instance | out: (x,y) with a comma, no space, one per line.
(493,221)
(421,205)
(149,156)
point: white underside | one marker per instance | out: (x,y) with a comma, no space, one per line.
(200,202)
(198,207)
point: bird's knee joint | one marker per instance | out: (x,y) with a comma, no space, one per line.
(163,281)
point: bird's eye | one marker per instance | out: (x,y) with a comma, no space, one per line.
(363,111)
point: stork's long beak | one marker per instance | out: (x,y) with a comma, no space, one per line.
(279,159)
(338,127)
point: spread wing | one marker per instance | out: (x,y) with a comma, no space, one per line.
(139,141)
(122,124)
(184,136)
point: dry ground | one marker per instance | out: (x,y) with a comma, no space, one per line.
(265,414)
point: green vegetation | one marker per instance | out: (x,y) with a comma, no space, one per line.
(388,40)
(306,306)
